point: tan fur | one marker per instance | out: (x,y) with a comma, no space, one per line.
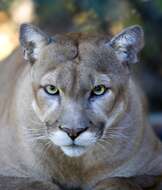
(121,157)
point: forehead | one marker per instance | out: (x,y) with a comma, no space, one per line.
(74,58)
(86,51)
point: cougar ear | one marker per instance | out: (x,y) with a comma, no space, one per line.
(32,40)
(128,43)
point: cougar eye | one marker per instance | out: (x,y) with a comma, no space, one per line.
(99,90)
(51,90)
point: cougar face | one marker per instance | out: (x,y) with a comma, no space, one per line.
(79,84)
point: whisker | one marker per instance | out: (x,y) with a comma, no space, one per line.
(101,146)
(37,122)
(116,133)
(42,131)
(35,136)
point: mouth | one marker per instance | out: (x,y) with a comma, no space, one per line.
(73,150)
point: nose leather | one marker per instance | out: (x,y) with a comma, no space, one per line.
(73,133)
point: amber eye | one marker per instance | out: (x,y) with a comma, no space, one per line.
(51,90)
(99,90)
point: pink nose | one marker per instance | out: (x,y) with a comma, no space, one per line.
(73,133)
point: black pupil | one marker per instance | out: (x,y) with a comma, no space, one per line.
(98,88)
(52,88)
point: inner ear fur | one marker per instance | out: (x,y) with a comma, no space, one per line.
(32,40)
(128,43)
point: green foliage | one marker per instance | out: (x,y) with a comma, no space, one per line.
(5,5)
(159,4)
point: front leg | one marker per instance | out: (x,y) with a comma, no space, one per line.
(116,184)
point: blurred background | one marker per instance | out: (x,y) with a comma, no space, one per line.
(110,16)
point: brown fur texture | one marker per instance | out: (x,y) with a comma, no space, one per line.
(117,150)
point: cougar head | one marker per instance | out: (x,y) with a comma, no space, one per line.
(79,83)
